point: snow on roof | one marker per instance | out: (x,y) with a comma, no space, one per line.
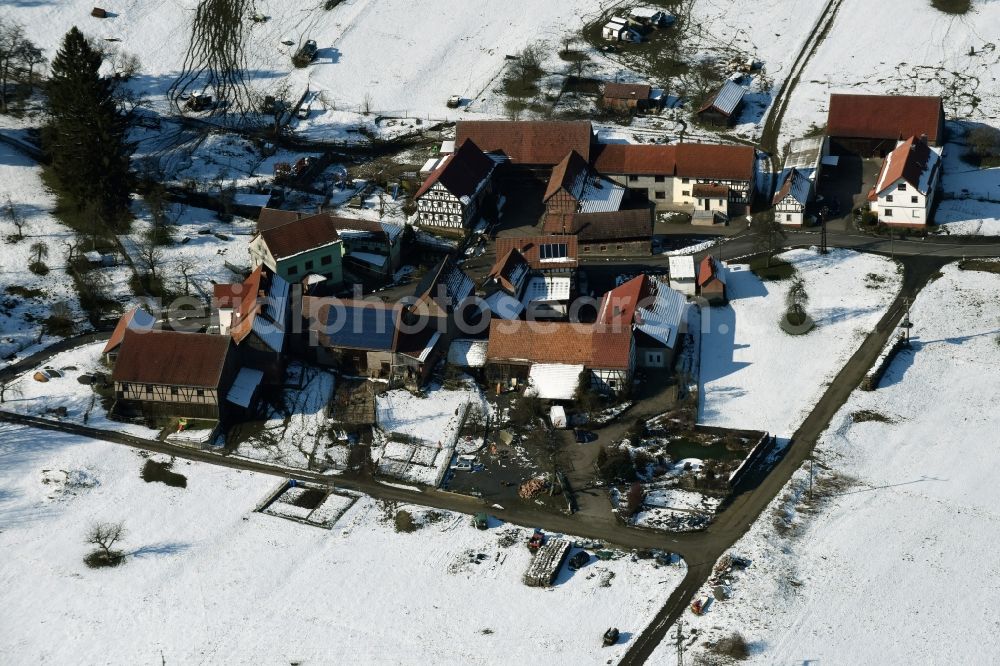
(271,328)
(246,383)
(504,305)
(727,99)
(546,289)
(601,195)
(468,353)
(447,146)
(616,22)
(430,165)
(682,268)
(555,381)
(796,184)
(662,320)
(805,153)
(644,12)
(93,256)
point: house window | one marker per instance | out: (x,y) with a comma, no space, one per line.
(901,187)
(888,198)
(604,248)
(788,217)
(201,393)
(661,195)
(149,388)
(613,383)
(685,180)
(586,248)
(633,179)
(173,390)
(553,250)
(916,213)
(293,270)
(309,265)
(914,199)
(660,179)
(325,261)
(887,212)
(618,247)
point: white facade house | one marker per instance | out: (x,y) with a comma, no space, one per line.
(682,274)
(452,194)
(797,181)
(907,185)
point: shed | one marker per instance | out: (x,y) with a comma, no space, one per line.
(558,416)
(682,274)
(723,107)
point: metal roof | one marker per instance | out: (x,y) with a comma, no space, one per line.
(728,98)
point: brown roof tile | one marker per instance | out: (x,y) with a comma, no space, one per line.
(301,235)
(462,171)
(171,358)
(710,190)
(636,159)
(566,174)
(530,248)
(715,161)
(136,318)
(908,161)
(892,117)
(270,218)
(632,224)
(626,91)
(559,342)
(528,142)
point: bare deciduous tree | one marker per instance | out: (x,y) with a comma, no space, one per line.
(768,234)
(104,536)
(150,257)
(39,251)
(10,386)
(10,214)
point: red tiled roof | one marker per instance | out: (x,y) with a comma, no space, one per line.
(710,190)
(301,235)
(462,171)
(530,248)
(618,305)
(706,270)
(270,218)
(636,159)
(504,268)
(566,173)
(124,324)
(171,358)
(908,161)
(559,342)
(632,224)
(715,161)
(528,142)
(892,117)
(626,91)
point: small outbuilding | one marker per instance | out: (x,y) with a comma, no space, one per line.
(682,274)
(618,29)
(712,281)
(723,107)
(627,97)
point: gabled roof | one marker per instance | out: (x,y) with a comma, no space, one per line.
(627,91)
(726,99)
(681,267)
(619,305)
(710,269)
(270,218)
(635,159)
(510,270)
(172,359)
(912,161)
(715,161)
(536,250)
(632,224)
(303,235)
(796,185)
(463,173)
(135,319)
(568,343)
(259,306)
(892,117)
(570,174)
(528,142)
(446,280)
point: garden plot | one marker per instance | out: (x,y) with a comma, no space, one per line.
(310,504)
(676,510)
(295,433)
(755,376)
(66,399)
(900,535)
(56,609)
(27,299)
(954,57)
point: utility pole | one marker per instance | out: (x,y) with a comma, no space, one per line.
(892,246)
(680,643)
(823,213)
(906,324)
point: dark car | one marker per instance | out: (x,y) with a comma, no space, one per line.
(579,560)
(584,436)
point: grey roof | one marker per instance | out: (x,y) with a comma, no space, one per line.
(360,326)
(662,319)
(805,154)
(728,98)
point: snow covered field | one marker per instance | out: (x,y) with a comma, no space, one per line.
(209,581)
(755,376)
(927,52)
(898,565)
(22,310)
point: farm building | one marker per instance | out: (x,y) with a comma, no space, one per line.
(625,233)
(574,187)
(442,295)
(872,125)
(907,184)
(712,281)
(370,248)
(682,274)
(651,17)
(539,272)
(627,97)
(797,180)
(723,107)
(529,145)
(452,195)
(170,374)
(255,314)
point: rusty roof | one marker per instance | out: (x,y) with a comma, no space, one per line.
(627,90)
(302,235)
(462,172)
(636,159)
(536,142)
(531,249)
(892,117)
(172,359)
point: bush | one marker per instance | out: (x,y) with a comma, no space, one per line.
(38,268)
(404,522)
(733,646)
(98,559)
(614,463)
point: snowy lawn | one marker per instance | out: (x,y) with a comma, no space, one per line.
(82,404)
(753,374)
(209,581)
(26,299)
(899,564)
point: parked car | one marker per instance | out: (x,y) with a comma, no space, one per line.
(611,636)
(584,436)
(536,541)
(481,521)
(454,101)
(579,560)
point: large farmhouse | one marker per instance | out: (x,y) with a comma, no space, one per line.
(307,249)
(626,233)
(907,184)
(529,145)
(872,125)
(452,195)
